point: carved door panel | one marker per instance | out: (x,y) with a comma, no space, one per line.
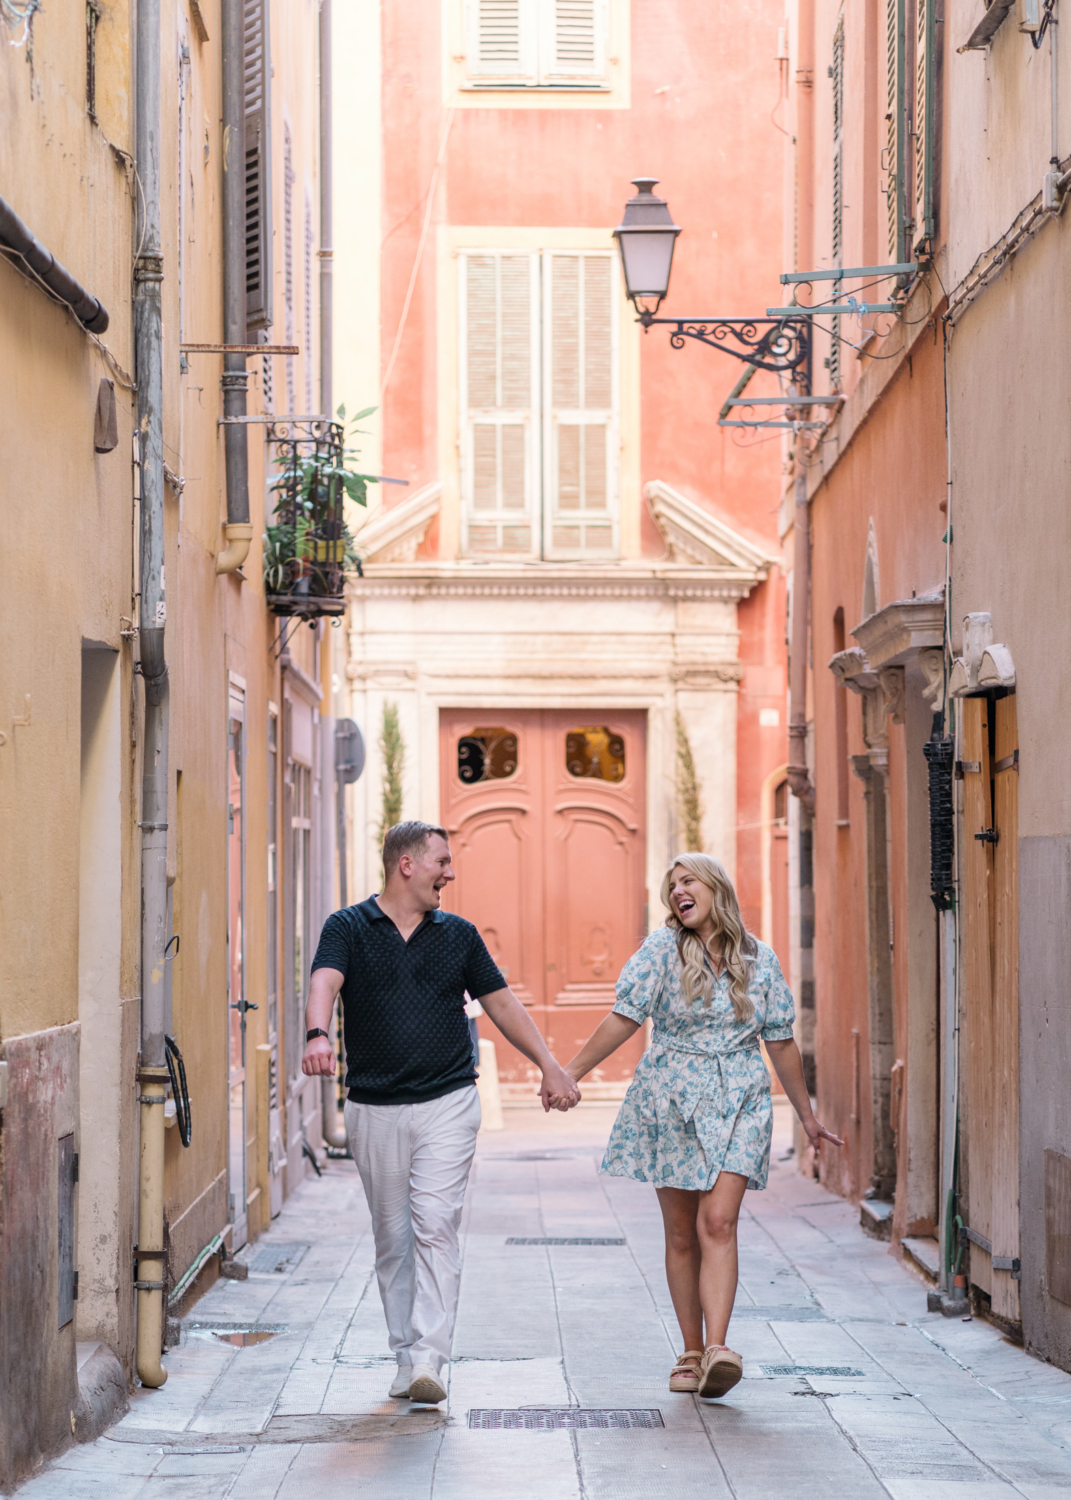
(545,812)
(596,799)
(492,800)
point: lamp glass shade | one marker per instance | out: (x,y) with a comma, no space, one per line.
(645,237)
(647,258)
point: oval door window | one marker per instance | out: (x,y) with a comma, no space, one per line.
(486,755)
(595,753)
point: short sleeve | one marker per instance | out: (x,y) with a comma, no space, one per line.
(482,974)
(780,1007)
(641,981)
(333,951)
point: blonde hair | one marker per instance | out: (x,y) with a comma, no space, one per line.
(736,943)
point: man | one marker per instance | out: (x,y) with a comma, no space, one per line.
(412,1112)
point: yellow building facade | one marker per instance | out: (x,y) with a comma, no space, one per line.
(114,200)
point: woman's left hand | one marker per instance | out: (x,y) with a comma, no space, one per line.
(817,1132)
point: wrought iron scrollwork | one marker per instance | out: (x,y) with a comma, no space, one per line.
(780,345)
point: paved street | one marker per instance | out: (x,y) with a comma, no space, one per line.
(851,1389)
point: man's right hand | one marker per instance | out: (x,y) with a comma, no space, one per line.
(559,1090)
(319,1060)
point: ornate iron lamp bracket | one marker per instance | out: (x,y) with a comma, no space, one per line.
(781,345)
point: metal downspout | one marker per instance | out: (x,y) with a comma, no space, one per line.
(327,312)
(799,777)
(334,1133)
(239,532)
(148,334)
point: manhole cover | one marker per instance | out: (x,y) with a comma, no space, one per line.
(838,1372)
(276,1259)
(549,1240)
(543,1419)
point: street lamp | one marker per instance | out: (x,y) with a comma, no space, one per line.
(646,237)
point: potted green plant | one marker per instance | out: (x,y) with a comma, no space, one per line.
(309,547)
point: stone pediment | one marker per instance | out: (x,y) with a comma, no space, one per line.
(393,536)
(891,635)
(697,538)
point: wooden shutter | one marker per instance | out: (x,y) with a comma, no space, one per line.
(977,948)
(837,236)
(1005,1212)
(895,151)
(580,404)
(925,121)
(258,237)
(501,42)
(572,42)
(499,401)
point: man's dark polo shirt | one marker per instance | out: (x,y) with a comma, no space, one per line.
(407,1036)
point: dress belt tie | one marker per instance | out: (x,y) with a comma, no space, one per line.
(687,1098)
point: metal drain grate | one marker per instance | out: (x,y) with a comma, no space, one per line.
(837,1372)
(276,1259)
(549,1240)
(545,1418)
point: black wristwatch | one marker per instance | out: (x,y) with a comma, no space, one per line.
(317,1031)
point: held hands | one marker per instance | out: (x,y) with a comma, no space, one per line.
(319,1059)
(559,1090)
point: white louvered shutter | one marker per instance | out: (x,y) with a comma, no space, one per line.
(572,42)
(258,225)
(580,404)
(501,42)
(499,400)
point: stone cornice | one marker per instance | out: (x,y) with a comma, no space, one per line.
(695,536)
(625,580)
(891,635)
(393,536)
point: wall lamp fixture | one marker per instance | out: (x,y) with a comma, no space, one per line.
(646,237)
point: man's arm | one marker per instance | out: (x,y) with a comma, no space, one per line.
(517,1026)
(319,1058)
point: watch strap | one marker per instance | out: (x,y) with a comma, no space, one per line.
(317,1031)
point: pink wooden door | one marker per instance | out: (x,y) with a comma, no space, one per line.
(545,811)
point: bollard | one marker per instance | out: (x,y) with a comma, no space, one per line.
(487,1085)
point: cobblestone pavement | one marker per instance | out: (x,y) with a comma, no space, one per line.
(851,1388)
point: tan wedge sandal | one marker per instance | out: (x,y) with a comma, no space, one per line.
(685,1373)
(722,1367)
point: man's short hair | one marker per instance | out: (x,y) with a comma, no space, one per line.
(406,838)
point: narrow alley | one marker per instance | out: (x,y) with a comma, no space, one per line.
(851,1388)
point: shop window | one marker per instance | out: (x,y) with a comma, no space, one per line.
(486,755)
(595,753)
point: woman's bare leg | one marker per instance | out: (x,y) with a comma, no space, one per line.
(683,1258)
(716,1220)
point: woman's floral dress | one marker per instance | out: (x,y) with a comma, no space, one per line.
(699,1103)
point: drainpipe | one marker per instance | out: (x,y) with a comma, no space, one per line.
(799,778)
(148,333)
(238,530)
(334,1133)
(326,224)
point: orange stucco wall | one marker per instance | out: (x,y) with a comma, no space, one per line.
(695,72)
(894,474)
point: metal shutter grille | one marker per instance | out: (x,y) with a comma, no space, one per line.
(498,338)
(581,386)
(258,270)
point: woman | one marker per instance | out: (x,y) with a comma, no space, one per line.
(697,1118)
